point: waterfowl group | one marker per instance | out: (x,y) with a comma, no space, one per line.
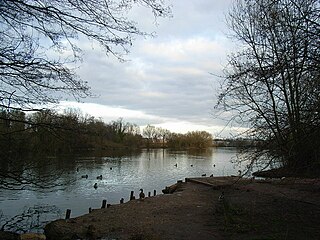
(99,177)
(84,176)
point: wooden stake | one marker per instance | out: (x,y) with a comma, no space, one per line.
(131,195)
(68,213)
(104,203)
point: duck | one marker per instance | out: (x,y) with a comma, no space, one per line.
(95,185)
(214,165)
(203,175)
(121,200)
(191,165)
(141,195)
(84,176)
(110,168)
(176,165)
(211,175)
(99,177)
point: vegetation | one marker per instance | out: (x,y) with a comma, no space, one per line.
(272,82)
(195,139)
(50,133)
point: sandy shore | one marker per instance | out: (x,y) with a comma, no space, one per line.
(249,209)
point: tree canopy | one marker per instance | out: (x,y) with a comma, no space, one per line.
(272,83)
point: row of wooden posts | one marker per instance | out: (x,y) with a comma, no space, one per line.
(104,203)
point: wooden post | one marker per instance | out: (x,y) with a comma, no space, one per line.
(108,205)
(90,209)
(179,181)
(154,192)
(149,194)
(131,195)
(104,203)
(121,200)
(68,213)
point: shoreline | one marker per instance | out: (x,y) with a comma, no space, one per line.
(203,208)
(195,210)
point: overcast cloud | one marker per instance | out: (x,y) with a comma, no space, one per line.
(166,80)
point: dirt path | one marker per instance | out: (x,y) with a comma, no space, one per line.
(249,210)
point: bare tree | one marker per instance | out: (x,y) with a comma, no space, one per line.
(39,52)
(149,132)
(272,83)
(163,134)
(37,38)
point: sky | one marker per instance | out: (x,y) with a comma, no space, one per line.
(168,81)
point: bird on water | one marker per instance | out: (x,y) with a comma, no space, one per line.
(95,185)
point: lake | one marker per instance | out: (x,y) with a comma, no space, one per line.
(148,169)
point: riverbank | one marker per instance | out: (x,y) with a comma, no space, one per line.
(207,208)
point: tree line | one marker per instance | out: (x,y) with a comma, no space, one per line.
(52,133)
(159,137)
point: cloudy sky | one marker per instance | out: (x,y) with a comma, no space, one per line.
(166,81)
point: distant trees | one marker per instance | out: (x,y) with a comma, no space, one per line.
(51,133)
(126,133)
(150,133)
(160,137)
(163,134)
(194,139)
(272,83)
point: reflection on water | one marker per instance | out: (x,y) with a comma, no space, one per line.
(150,170)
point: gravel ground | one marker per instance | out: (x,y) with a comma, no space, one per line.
(217,208)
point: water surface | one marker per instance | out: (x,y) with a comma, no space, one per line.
(149,169)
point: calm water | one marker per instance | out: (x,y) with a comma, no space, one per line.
(150,170)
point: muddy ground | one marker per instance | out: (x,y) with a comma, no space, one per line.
(249,209)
